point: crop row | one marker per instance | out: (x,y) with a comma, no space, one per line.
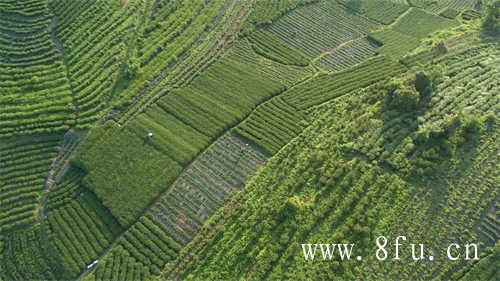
(335,23)
(265,12)
(348,55)
(24,164)
(27,248)
(80,230)
(272,125)
(383,11)
(273,48)
(31,67)
(92,37)
(168,52)
(326,87)
(189,65)
(119,266)
(437,6)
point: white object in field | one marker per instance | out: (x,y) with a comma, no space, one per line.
(150,135)
(92,264)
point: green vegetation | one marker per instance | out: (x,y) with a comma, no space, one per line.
(158,236)
(406,34)
(265,12)
(28,248)
(349,54)
(24,164)
(383,11)
(35,92)
(79,226)
(342,171)
(270,47)
(491,23)
(300,27)
(206,140)
(112,161)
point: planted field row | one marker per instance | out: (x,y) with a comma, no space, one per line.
(383,11)
(31,67)
(167,52)
(265,12)
(418,23)
(349,54)
(471,82)
(93,36)
(325,87)
(300,27)
(148,243)
(24,164)
(272,125)
(202,54)
(29,249)
(158,236)
(182,123)
(489,228)
(118,265)
(265,44)
(79,227)
(438,6)
(406,33)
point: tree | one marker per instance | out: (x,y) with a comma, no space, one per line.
(423,83)
(491,23)
(353,5)
(132,68)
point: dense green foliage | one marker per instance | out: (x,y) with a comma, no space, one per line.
(24,164)
(205,140)
(343,171)
(126,155)
(35,92)
(491,22)
(158,236)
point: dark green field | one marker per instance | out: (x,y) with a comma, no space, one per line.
(210,139)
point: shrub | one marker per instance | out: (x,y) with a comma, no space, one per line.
(491,23)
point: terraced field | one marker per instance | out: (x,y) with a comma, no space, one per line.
(299,27)
(207,140)
(32,72)
(169,224)
(357,182)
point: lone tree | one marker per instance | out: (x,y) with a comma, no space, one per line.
(491,23)
(405,93)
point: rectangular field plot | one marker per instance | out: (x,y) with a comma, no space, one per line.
(318,27)
(158,236)
(406,33)
(272,125)
(325,87)
(349,54)
(439,6)
(383,11)
(124,170)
